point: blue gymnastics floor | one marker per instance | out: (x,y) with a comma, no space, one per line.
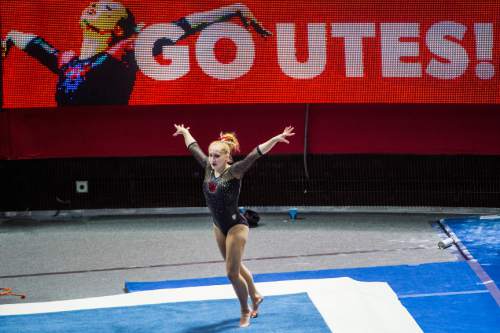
(183,317)
(481,237)
(441,297)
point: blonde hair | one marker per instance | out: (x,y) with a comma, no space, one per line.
(228,139)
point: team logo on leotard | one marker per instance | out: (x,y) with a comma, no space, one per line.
(212,187)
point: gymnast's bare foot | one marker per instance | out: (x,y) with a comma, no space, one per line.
(245,318)
(255,307)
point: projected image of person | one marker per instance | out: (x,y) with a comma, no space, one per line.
(104,71)
(221,188)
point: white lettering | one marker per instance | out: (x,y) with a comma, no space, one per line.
(287,58)
(450,58)
(179,55)
(393,49)
(353,34)
(245,51)
(457,57)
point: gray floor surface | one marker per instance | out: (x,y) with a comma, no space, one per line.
(87,257)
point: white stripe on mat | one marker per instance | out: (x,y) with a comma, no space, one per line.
(347,306)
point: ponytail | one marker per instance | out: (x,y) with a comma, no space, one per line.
(230,139)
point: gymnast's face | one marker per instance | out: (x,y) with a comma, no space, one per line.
(103,15)
(218,156)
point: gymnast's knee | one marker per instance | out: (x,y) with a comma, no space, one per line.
(233,274)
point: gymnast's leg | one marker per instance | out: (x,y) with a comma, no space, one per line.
(234,244)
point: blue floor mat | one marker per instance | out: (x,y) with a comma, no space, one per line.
(469,313)
(183,317)
(403,279)
(481,237)
(442,297)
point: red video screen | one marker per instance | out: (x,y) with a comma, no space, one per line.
(152,52)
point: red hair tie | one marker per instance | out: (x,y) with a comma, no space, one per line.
(230,141)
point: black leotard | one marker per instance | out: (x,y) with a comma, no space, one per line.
(222,193)
(102,79)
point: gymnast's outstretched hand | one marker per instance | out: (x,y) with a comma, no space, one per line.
(283,137)
(287,132)
(180,129)
(248,19)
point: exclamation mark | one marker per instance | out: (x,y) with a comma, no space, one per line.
(484,50)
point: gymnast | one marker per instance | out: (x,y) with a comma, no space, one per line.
(104,71)
(221,188)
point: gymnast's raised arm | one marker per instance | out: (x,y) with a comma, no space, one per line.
(191,144)
(239,168)
(35,46)
(198,21)
(17,39)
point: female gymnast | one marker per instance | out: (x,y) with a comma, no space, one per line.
(221,187)
(104,72)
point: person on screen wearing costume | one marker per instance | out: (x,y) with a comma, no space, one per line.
(104,72)
(221,188)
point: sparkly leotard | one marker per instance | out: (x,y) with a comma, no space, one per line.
(102,79)
(222,193)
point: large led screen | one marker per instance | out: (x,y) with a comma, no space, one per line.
(152,52)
